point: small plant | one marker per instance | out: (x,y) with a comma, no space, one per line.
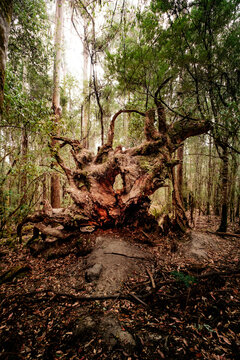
(187,280)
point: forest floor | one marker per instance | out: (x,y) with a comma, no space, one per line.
(122,295)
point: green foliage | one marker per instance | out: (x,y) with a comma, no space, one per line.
(29,42)
(25,121)
(187,280)
(197,44)
(23,109)
(159,211)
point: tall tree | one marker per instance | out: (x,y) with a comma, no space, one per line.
(25,116)
(85,123)
(55,179)
(5,21)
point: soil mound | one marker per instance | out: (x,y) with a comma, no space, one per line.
(112,261)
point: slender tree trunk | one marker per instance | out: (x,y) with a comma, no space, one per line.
(5,21)
(44,188)
(180,154)
(232,190)
(85,89)
(209,184)
(196,182)
(181,220)
(24,161)
(55,179)
(225,203)
(237,214)
(217,197)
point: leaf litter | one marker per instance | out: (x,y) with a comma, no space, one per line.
(191,313)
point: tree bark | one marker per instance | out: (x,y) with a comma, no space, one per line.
(55,179)
(5,21)
(24,162)
(237,214)
(180,218)
(85,89)
(224,202)
(180,154)
(232,190)
(209,184)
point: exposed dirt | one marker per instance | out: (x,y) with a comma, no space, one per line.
(118,259)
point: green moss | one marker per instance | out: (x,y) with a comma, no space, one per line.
(177,126)
(6,10)
(82,180)
(151,147)
(171,163)
(102,155)
(80,185)
(79,241)
(146,164)
(10,241)
(80,217)
(152,164)
(15,272)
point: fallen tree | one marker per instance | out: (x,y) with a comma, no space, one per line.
(143,169)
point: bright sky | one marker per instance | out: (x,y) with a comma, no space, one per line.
(73,48)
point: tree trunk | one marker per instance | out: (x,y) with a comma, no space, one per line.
(85,89)
(217,197)
(55,179)
(237,214)
(232,190)
(44,188)
(5,21)
(181,221)
(224,202)
(209,183)
(180,218)
(180,154)
(24,162)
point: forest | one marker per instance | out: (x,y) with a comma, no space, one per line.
(119,182)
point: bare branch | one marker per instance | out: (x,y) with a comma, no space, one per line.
(112,124)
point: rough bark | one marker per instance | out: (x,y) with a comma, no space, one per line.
(233,188)
(180,218)
(24,161)
(209,183)
(224,188)
(5,21)
(143,169)
(85,88)
(180,155)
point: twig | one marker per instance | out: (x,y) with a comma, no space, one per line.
(151,278)
(223,233)
(131,257)
(30,294)
(139,300)
(148,237)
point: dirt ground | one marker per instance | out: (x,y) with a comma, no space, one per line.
(110,295)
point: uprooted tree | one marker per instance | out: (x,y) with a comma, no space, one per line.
(143,169)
